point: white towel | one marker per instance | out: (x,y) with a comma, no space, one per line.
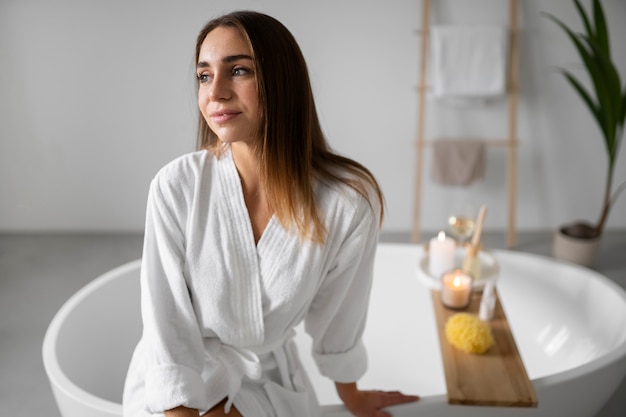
(469,61)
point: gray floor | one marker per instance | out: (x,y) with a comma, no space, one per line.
(39,272)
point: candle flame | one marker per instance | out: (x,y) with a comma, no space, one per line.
(456,282)
(441,236)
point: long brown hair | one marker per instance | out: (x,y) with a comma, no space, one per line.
(292,151)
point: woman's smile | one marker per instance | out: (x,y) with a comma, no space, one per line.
(223,116)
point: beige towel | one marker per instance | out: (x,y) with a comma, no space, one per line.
(458,161)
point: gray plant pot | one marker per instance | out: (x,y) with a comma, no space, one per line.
(575,250)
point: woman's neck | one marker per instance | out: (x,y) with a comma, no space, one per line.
(247,164)
(253,193)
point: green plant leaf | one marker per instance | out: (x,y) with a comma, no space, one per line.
(622,117)
(613,95)
(601,33)
(583,17)
(593,69)
(586,97)
(584,54)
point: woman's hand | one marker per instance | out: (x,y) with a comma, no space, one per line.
(370,403)
(218,411)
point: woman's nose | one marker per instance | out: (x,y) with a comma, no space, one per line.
(219,88)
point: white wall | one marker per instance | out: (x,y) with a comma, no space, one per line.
(95,96)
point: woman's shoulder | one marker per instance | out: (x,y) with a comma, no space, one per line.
(184,166)
(356,195)
(182,176)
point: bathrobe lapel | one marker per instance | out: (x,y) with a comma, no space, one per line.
(242,257)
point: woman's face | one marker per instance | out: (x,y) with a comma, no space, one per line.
(227,93)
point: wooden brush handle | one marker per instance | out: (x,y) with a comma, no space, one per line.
(479,225)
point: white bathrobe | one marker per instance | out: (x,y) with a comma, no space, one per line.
(219,310)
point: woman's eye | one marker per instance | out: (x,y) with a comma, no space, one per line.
(239,71)
(203,78)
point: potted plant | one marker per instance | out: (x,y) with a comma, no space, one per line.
(606,100)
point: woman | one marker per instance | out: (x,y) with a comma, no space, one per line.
(262,228)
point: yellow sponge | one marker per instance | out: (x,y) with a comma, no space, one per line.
(467,333)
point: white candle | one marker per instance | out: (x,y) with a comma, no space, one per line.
(441,255)
(456,289)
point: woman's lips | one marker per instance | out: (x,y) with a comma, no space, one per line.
(223,116)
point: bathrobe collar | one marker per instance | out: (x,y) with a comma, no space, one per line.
(243,257)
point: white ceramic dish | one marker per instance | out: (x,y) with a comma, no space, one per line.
(489,269)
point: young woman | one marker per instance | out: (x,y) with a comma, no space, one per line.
(262,228)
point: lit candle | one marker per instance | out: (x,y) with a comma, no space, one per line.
(456,289)
(441,255)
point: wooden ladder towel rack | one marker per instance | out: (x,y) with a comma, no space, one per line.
(510,142)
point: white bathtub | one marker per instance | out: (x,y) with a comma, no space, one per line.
(569,323)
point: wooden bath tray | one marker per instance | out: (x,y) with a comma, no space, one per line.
(495,378)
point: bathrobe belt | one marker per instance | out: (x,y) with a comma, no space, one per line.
(240,362)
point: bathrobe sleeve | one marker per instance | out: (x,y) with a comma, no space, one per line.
(172,340)
(336,318)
